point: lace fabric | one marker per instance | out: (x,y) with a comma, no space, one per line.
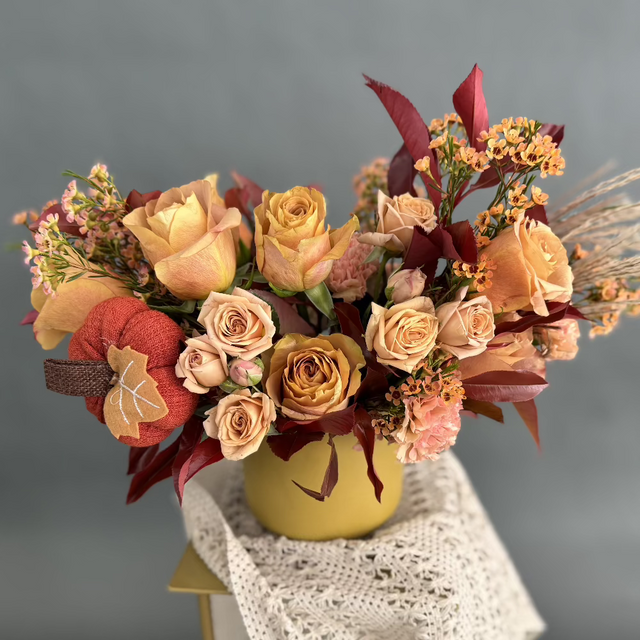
(436,570)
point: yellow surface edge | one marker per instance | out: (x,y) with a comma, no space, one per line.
(193,576)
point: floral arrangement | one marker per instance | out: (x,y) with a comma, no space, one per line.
(245,319)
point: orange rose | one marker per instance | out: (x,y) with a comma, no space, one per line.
(309,377)
(531,267)
(397,217)
(560,339)
(188,237)
(294,250)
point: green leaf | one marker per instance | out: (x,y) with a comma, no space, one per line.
(244,255)
(281,292)
(186,308)
(321,298)
(375,255)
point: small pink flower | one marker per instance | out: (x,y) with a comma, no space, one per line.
(349,274)
(430,427)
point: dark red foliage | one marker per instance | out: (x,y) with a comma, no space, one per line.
(330,476)
(402,173)
(538,213)
(70,228)
(364,432)
(464,241)
(557,311)
(470,105)
(140,457)
(158,469)
(287,444)
(483,408)
(413,130)
(136,199)
(504,386)
(529,414)
(30,318)
(189,439)
(336,423)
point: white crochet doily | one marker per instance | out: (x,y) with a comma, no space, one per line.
(436,571)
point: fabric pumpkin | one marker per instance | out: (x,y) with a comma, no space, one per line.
(129,322)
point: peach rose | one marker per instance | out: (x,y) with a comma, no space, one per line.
(430,427)
(240,421)
(531,266)
(403,335)
(560,339)
(201,365)
(188,237)
(506,352)
(405,284)
(349,274)
(238,324)
(466,326)
(309,377)
(66,311)
(397,217)
(294,251)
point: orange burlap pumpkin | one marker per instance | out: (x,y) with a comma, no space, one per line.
(129,322)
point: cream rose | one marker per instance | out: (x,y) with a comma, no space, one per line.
(188,237)
(531,267)
(466,326)
(201,365)
(240,421)
(403,335)
(238,324)
(309,377)
(294,250)
(397,217)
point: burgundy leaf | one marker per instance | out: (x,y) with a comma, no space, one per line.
(557,311)
(70,228)
(538,213)
(30,318)
(159,469)
(464,241)
(330,476)
(529,414)
(483,408)
(504,386)
(135,199)
(489,178)
(287,444)
(470,105)
(424,253)
(363,430)
(206,453)
(374,385)
(336,423)
(350,323)
(556,131)
(402,173)
(140,457)
(239,199)
(413,130)
(290,320)
(254,192)
(189,439)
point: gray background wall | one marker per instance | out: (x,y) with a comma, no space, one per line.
(165,92)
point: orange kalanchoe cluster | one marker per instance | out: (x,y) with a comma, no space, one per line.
(481,272)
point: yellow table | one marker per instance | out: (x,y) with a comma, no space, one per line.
(193,576)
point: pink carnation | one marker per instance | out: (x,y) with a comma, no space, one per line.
(430,427)
(348,277)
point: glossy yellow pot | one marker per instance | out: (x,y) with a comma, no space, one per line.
(351,511)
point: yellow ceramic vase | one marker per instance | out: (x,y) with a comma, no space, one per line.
(351,511)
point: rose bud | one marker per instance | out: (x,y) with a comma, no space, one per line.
(405,284)
(246,373)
